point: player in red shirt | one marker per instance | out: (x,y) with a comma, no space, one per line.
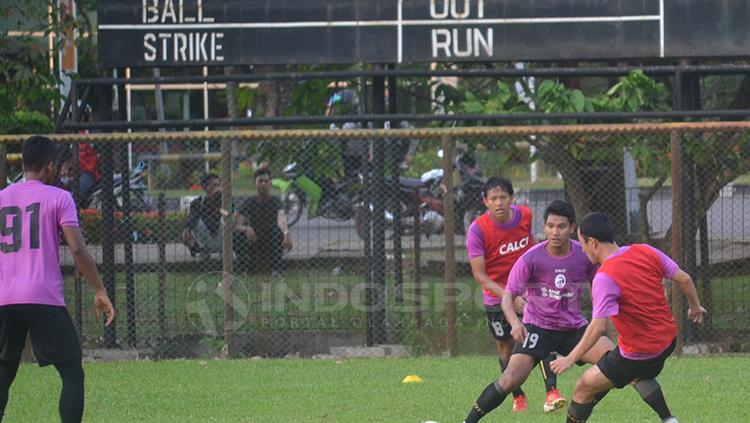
(494,242)
(628,289)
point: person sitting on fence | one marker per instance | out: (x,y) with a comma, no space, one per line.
(203,233)
(261,232)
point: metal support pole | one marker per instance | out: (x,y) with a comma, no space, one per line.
(226,256)
(108,210)
(417,259)
(678,218)
(378,237)
(450,247)
(396,195)
(162,269)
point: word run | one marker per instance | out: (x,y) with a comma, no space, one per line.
(460,42)
(183,46)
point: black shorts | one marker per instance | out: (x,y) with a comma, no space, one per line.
(499,327)
(540,342)
(623,371)
(53,336)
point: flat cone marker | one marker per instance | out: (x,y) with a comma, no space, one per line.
(412,379)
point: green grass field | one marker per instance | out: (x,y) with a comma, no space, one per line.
(357,390)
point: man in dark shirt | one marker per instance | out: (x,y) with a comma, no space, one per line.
(202,233)
(261,231)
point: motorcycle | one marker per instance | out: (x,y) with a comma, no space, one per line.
(326,197)
(467,200)
(140,200)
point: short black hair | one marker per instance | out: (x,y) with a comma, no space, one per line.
(561,208)
(37,152)
(597,225)
(208,177)
(497,182)
(262,171)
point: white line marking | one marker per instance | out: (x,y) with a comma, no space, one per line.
(396,23)
(661,28)
(400,31)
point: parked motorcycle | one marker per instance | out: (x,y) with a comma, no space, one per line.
(329,198)
(467,200)
(140,200)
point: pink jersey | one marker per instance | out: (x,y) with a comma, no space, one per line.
(32,216)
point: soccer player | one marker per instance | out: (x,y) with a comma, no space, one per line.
(32,215)
(552,275)
(494,242)
(627,288)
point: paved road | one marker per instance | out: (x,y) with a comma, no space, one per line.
(729,231)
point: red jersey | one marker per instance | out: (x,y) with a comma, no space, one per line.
(88,161)
(502,244)
(644,322)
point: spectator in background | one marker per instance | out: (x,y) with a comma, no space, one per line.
(203,232)
(261,231)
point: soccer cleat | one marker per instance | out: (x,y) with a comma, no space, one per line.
(519,404)
(672,419)
(554,401)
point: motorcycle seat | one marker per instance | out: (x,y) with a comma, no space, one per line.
(410,182)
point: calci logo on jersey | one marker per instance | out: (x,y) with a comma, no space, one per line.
(560,280)
(512,247)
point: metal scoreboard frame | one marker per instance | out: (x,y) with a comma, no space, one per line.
(232,32)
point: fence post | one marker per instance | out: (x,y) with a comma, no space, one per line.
(3,165)
(678,219)
(417,258)
(450,246)
(127,245)
(379,223)
(162,270)
(226,256)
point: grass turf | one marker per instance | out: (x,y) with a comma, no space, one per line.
(356,390)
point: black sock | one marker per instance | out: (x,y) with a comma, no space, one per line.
(598,397)
(7,375)
(490,399)
(71,396)
(657,402)
(550,378)
(579,413)
(518,391)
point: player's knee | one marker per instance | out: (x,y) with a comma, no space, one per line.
(583,392)
(509,381)
(71,373)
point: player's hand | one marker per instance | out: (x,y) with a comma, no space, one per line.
(561,364)
(287,242)
(102,305)
(519,304)
(696,314)
(518,332)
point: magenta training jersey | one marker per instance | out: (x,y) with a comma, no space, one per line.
(552,286)
(32,216)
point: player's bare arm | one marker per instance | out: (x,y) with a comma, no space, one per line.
(594,332)
(479,272)
(87,266)
(518,330)
(685,284)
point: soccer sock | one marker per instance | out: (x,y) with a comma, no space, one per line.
(579,413)
(650,391)
(7,375)
(518,391)
(598,397)
(550,378)
(490,399)
(71,396)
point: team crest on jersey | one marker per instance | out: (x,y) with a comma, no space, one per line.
(560,280)
(513,246)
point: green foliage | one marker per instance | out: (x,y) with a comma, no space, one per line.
(25,122)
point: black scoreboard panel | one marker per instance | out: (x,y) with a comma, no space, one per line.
(202,32)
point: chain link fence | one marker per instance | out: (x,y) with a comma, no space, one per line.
(312,242)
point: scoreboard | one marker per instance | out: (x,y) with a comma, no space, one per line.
(235,32)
